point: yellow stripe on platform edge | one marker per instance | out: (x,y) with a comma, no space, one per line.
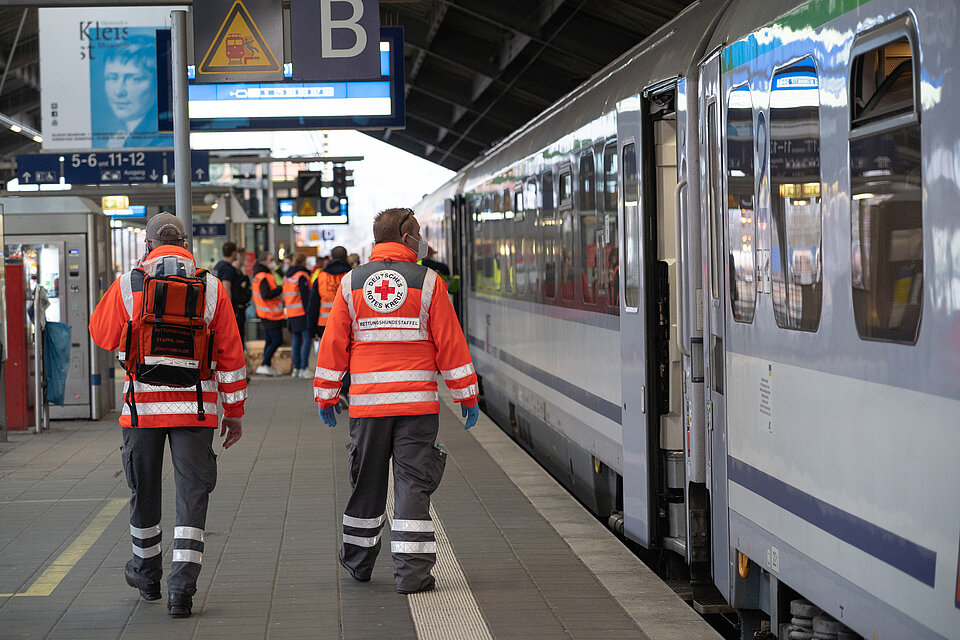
(58,570)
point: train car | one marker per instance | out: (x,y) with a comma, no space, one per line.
(714,292)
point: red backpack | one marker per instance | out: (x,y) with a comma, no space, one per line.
(167,341)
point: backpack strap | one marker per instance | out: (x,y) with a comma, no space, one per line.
(210,296)
(131,401)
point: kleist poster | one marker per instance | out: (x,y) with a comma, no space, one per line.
(98,77)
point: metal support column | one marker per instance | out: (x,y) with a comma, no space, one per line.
(181,122)
(271,212)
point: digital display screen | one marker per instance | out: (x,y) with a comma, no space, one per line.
(287,105)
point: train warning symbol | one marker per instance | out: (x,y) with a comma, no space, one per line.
(307,208)
(239,47)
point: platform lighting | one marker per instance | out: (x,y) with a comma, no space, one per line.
(19,127)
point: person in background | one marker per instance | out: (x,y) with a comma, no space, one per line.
(268,301)
(436,265)
(393,327)
(354,260)
(243,293)
(284,267)
(232,282)
(324,290)
(296,295)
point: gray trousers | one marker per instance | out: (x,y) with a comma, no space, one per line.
(195,473)
(417,468)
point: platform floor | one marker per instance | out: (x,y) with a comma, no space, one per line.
(518,557)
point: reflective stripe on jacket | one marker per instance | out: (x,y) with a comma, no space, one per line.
(328,286)
(160,406)
(267,308)
(393,327)
(292,301)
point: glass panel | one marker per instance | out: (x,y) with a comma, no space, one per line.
(795,199)
(566,186)
(530,228)
(611,234)
(715,217)
(631,227)
(887,200)
(551,238)
(741,218)
(565,281)
(42,264)
(588,228)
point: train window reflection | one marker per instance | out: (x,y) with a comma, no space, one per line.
(886,196)
(588,228)
(631,227)
(528,243)
(611,235)
(551,237)
(741,218)
(795,213)
(565,277)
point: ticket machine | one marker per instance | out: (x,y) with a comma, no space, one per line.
(64,243)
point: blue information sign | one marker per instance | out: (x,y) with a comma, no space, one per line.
(199,166)
(116,167)
(209,230)
(38,168)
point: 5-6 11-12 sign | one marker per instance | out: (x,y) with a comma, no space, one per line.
(115,159)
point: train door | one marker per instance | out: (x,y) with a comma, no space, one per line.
(454,212)
(713,253)
(637,494)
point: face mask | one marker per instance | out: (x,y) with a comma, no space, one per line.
(271,265)
(422,247)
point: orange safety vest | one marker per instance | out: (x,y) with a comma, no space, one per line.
(162,406)
(292,302)
(393,327)
(328,286)
(267,308)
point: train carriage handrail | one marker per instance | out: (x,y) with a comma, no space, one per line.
(678,209)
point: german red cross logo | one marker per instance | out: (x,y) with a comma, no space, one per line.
(385,291)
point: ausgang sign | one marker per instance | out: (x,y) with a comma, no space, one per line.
(335,40)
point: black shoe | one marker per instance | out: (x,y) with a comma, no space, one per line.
(352,573)
(180,605)
(148,591)
(426,585)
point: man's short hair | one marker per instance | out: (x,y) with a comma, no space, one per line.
(229,248)
(386,226)
(265,257)
(299,259)
(338,253)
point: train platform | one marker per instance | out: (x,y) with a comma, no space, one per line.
(518,557)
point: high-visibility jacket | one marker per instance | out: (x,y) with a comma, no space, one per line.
(160,406)
(328,286)
(267,308)
(292,301)
(393,327)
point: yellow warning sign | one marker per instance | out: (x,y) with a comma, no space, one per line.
(307,208)
(239,47)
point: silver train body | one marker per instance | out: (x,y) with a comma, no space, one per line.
(717,289)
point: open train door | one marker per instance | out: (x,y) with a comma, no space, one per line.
(455,213)
(712,225)
(638,501)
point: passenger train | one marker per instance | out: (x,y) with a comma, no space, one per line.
(716,292)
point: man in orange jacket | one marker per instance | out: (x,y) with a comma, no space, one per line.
(393,327)
(170,413)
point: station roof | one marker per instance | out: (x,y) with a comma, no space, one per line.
(476,70)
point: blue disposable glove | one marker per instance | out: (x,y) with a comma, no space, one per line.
(327,415)
(471,414)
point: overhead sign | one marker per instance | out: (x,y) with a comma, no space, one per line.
(118,167)
(199,166)
(335,39)
(239,40)
(319,211)
(134,211)
(99,88)
(274,106)
(209,230)
(38,168)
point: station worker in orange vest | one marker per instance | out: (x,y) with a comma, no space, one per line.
(325,288)
(296,295)
(393,327)
(268,301)
(171,413)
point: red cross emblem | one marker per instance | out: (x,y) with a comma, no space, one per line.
(384,289)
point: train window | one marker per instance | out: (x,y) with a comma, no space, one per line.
(611,234)
(588,227)
(886,189)
(551,237)
(475,205)
(519,267)
(795,213)
(565,276)
(496,202)
(742,223)
(528,243)
(631,228)
(506,252)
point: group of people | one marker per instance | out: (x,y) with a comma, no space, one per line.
(287,294)
(389,323)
